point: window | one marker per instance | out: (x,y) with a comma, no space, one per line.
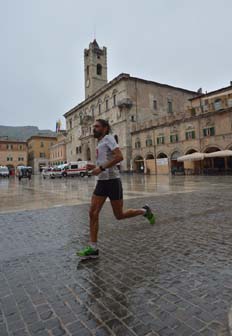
(114,100)
(132,118)
(174,138)
(74,166)
(190,135)
(31,156)
(107,104)
(92,110)
(229,102)
(70,123)
(193,111)
(20,147)
(99,108)
(170,110)
(82,117)
(9,146)
(137,144)
(209,131)
(99,69)
(77,150)
(41,144)
(148,142)
(160,140)
(20,159)
(42,155)
(87,70)
(218,104)
(155,104)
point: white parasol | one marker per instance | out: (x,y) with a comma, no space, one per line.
(222,153)
(192,157)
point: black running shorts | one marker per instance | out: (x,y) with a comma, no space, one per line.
(109,188)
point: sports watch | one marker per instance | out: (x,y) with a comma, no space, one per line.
(102,168)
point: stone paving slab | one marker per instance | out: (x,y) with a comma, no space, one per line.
(170,279)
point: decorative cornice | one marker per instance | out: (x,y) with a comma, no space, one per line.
(185,119)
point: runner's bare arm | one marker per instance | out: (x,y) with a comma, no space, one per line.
(90,166)
(117,157)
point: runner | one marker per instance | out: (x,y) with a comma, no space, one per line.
(108,155)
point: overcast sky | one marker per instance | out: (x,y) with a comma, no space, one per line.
(179,42)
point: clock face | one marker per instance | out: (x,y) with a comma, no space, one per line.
(87,83)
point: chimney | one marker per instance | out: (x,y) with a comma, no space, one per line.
(230,83)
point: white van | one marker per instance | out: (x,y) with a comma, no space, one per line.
(46,172)
(4,171)
(76,169)
(56,172)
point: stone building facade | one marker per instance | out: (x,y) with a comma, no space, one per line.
(57,152)
(126,102)
(205,126)
(39,151)
(13,153)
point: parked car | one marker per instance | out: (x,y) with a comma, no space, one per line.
(23,172)
(4,171)
(75,169)
(46,172)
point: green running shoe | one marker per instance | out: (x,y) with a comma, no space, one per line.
(88,253)
(149,214)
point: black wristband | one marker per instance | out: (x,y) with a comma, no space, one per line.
(102,169)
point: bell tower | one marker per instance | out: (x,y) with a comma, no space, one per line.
(95,60)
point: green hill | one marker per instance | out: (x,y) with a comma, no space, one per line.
(22,132)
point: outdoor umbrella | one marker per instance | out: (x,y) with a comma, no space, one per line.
(222,153)
(192,157)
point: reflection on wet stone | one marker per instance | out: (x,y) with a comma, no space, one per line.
(170,279)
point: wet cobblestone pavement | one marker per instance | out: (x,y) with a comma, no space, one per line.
(174,278)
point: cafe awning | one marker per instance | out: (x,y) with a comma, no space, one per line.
(192,157)
(223,153)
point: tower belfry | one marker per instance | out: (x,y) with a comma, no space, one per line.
(95,60)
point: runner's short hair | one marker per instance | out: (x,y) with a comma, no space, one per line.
(105,124)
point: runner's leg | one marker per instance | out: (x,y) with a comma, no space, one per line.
(95,208)
(119,213)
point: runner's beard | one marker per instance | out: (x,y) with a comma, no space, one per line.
(97,134)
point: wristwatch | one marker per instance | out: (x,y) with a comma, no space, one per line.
(102,168)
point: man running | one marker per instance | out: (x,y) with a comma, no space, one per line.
(108,155)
